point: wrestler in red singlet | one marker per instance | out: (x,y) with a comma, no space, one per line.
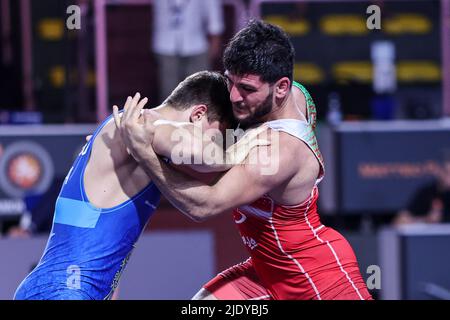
(293,255)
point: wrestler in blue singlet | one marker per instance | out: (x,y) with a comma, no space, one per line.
(88,247)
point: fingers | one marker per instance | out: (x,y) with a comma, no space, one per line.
(147,118)
(141,106)
(88,138)
(135,112)
(116,116)
(132,110)
(128,108)
(127,105)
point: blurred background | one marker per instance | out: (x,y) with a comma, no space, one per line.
(379,72)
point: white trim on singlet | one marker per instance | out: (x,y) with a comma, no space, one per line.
(318,228)
(292,128)
(293,259)
(261,297)
(257,212)
(314,231)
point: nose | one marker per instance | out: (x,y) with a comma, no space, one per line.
(235,95)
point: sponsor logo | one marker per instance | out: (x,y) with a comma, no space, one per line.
(239,217)
(249,242)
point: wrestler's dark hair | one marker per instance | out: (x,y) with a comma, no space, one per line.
(204,87)
(263,49)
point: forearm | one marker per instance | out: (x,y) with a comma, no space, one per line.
(185,144)
(192,197)
(164,139)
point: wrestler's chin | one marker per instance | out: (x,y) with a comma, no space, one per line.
(240,115)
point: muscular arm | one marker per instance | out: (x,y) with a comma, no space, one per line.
(240,185)
(184,143)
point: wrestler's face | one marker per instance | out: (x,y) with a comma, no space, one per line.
(252,99)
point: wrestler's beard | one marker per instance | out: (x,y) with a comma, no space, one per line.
(261,111)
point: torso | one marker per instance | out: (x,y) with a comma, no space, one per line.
(95,227)
(299,187)
(310,165)
(291,250)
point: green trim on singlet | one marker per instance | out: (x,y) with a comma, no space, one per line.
(311,139)
(311,107)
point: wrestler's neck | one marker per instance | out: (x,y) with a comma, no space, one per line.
(284,109)
(169,113)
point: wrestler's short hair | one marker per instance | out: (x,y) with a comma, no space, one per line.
(204,87)
(263,49)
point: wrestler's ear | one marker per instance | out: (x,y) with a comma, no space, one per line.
(198,112)
(282,87)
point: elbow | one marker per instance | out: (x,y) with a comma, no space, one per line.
(197,218)
(198,215)
(201,213)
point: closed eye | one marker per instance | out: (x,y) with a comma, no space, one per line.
(248,89)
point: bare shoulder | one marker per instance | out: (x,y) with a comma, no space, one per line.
(302,158)
(276,162)
(293,170)
(108,149)
(291,152)
(285,143)
(106,133)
